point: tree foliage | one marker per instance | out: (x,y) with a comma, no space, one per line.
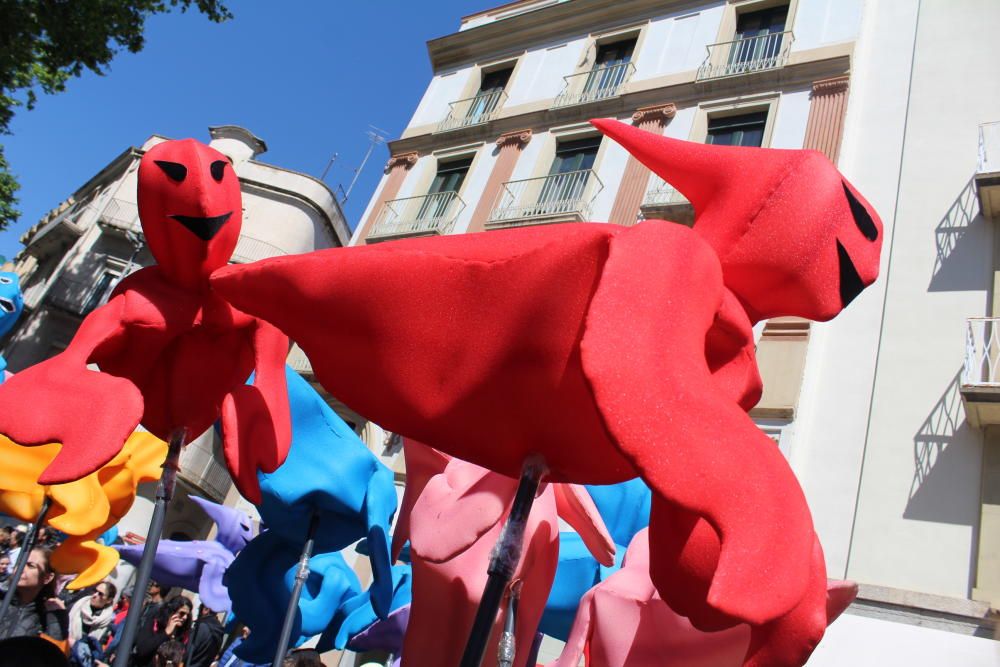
(45,43)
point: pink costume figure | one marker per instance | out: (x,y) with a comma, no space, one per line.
(452,514)
(172,353)
(622,622)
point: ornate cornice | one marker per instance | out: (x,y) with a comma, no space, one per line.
(516,138)
(658,112)
(406,160)
(832,86)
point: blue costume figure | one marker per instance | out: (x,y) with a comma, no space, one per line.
(625,510)
(11,305)
(199,565)
(329,473)
(357,627)
(261,580)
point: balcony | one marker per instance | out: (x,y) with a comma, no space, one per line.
(249,249)
(556,198)
(78,297)
(299,362)
(426,215)
(663,202)
(201,467)
(746,55)
(473,111)
(988,170)
(600,83)
(980,387)
(122,216)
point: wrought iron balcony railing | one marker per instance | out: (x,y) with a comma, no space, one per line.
(982,352)
(600,83)
(122,215)
(746,55)
(554,198)
(989,147)
(78,297)
(661,193)
(417,216)
(299,362)
(249,249)
(473,111)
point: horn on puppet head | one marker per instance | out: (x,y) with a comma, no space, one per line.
(726,184)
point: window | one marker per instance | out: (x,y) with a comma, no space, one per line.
(570,170)
(102,290)
(758,37)
(446,184)
(610,68)
(742,130)
(490,90)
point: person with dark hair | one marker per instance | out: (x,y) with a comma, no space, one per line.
(92,616)
(35,610)
(171,622)
(207,638)
(15,541)
(170,654)
(34,651)
(5,568)
(155,595)
(303,657)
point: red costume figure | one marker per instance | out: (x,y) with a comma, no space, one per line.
(611,352)
(172,353)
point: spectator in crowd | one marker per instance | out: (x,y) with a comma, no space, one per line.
(207,638)
(15,541)
(155,595)
(5,534)
(35,609)
(229,658)
(93,615)
(172,621)
(6,569)
(33,651)
(170,654)
(303,657)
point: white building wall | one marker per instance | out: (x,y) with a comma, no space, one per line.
(610,171)
(475,182)
(822,22)
(832,416)
(541,72)
(444,89)
(790,124)
(676,43)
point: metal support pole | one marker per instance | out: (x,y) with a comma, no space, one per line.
(164,492)
(503,562)
(22,560)
(508,640)
(194,634)
(293,602)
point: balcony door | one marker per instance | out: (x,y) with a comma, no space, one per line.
(610,69)
(758,39)
(568,174)
(446,184)
(488,97)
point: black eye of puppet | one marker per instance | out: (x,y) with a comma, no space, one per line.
(861,217)
(218,169)
(850,282)
(176,172)
(5,281)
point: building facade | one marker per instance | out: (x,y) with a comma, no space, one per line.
(887,414)
(75,256)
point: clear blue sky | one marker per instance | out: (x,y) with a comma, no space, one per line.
(306,77)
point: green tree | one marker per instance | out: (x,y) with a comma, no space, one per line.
(45,43)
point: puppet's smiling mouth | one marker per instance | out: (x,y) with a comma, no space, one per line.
(203,228)
(851,284)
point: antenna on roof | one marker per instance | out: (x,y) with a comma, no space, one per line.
(376,136)
(328,165)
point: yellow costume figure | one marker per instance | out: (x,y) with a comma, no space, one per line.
(83,509)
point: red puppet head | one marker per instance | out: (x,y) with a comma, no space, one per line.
(793,237)
(191,209)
